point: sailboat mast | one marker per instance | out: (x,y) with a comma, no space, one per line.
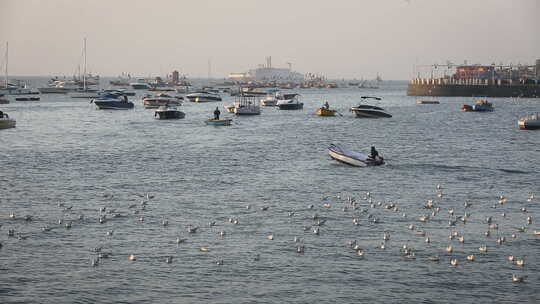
(7,58)
(84,71)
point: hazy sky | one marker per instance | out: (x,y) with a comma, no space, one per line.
(340,38)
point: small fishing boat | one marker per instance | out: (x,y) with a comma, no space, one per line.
(349,157)
(168,112)
(290,102)
(427,102)
(6,122)
(479,106)
(529,122)
(112,101)
(325,112)
(369,111)
(270,100)
(219,122)
(162,99)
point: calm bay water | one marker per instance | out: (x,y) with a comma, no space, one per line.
(65,151)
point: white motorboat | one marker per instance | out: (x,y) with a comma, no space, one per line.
(60,87)
(141,84)
(349,157)
(162,99)
(246,105)
(529,122)
(270,100)
(369,111)
(6,122)
(203,97)
(290,102)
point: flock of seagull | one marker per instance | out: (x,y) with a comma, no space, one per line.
(361,211)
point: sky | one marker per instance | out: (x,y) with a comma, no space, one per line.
(337,38)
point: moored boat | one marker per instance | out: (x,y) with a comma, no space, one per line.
(270,100)
(219,122)
(203,97)
(162,99)
(529,122)
(168,112)
(112,101)
(427,102)
(349,157)
(479,106)
(6,122)
(290,102)
(325,112)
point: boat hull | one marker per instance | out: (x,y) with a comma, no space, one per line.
(525,124)
(170,115)
(55,90)
(114,105)
(370,114)
(291,106)
(6,123)
(325,112)
(156,103)
(219,122)
(351,161)
(427,102)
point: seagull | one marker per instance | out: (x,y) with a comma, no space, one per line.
(483,249)
(454,262)
(520,262)
(132,258)
(204,249)
(270,237)
(300,249)
(168,259)
(180,241)
(449,249)
(470,257)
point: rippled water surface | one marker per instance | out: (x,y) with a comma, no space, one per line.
(66,159)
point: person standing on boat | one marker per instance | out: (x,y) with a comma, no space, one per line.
(326,105)
(216,114)
(374,153)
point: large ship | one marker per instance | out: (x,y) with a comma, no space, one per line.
(480,80)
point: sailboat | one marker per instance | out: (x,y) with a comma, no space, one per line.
(18,88)
(85,92)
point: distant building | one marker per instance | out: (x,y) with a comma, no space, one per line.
(268,73)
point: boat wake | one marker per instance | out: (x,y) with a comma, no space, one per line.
(450,168)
